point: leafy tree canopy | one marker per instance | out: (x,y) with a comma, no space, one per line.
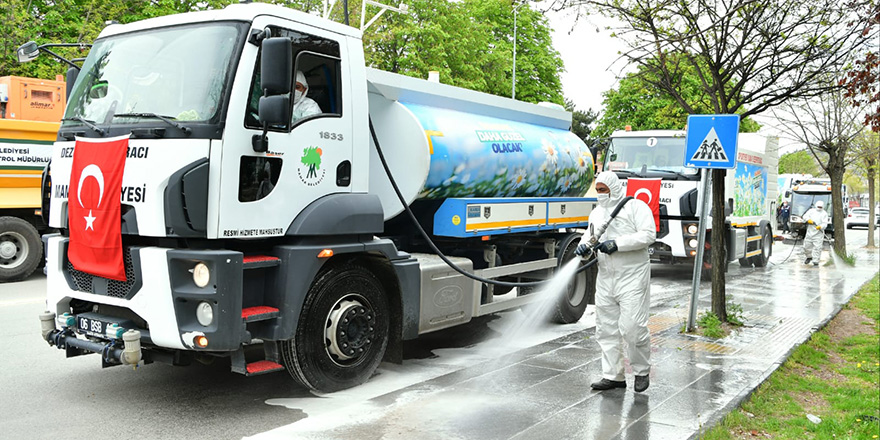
(798,162)
(640,103)
(73,21)
(469,42)
(582,123)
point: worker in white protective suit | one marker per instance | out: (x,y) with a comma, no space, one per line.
(303,106)
(623,283)
(817,220)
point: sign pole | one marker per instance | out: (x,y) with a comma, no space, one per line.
(698,260)
(710,144)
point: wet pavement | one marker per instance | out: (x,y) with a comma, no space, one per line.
(542,391)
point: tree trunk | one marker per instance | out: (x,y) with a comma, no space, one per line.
(835,171)
(718,257)
(872,219)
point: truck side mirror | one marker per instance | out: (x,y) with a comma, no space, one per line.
(28,52)
(275,110)
(276,79)
(276,66)
(72,74)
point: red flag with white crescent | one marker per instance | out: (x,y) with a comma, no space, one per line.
(648,191)
(93,207)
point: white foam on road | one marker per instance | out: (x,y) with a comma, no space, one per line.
(350,407)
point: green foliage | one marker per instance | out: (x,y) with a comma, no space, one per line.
(798,162)
(74,21)
(470,43)
(735,314)
(639,103)
(710,325)
(582,123)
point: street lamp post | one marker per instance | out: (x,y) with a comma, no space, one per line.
(513,85)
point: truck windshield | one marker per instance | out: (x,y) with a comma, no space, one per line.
(653,155)
(179,72)
(801,202)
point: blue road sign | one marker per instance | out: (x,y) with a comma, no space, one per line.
(711,141)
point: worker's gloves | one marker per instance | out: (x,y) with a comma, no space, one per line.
(810,222)
(608,246)
(818,228)
(581,250)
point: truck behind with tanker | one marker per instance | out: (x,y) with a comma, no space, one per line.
(322,239)
(750,194)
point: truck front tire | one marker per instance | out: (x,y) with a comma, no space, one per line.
(20,249)
(342,331)
(579,292)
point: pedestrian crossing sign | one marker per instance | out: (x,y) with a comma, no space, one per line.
(711,141)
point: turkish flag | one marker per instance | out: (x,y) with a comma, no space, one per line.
(648,191)
(94,209)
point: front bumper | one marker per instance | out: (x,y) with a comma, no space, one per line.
(159,299)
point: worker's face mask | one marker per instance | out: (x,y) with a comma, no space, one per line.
(297,95)
(603,199)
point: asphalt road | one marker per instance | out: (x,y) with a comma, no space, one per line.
(48,396)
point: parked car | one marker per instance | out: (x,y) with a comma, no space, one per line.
(858,217)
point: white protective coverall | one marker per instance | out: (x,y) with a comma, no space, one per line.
(303,106)
(814,237)
(624,281)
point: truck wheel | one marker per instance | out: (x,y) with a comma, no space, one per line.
(20,249)
(745,262)
(579,292)
(342,331)
(761,259)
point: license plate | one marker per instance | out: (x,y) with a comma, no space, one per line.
(90,326)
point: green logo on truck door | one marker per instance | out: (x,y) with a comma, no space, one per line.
(311,172)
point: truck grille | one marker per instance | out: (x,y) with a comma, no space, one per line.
(85,282)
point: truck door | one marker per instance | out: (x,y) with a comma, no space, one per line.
(261,193)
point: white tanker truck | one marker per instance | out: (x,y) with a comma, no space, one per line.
(750,194)
(240,227)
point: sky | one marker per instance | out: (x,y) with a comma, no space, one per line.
(589,53)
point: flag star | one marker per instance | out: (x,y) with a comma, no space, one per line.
(90,221)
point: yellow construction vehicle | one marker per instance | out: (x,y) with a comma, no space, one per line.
(30,113)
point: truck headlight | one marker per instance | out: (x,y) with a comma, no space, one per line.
(201,274)
(692,229)
(796,219)
(693,243)
(205,313)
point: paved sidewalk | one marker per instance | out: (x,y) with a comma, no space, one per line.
(543,392)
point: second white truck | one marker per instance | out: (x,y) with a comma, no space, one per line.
(750,194)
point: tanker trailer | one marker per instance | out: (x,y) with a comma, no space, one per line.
(240,226)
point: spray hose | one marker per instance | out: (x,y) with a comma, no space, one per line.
(430,242)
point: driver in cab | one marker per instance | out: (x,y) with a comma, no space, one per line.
(303,106)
